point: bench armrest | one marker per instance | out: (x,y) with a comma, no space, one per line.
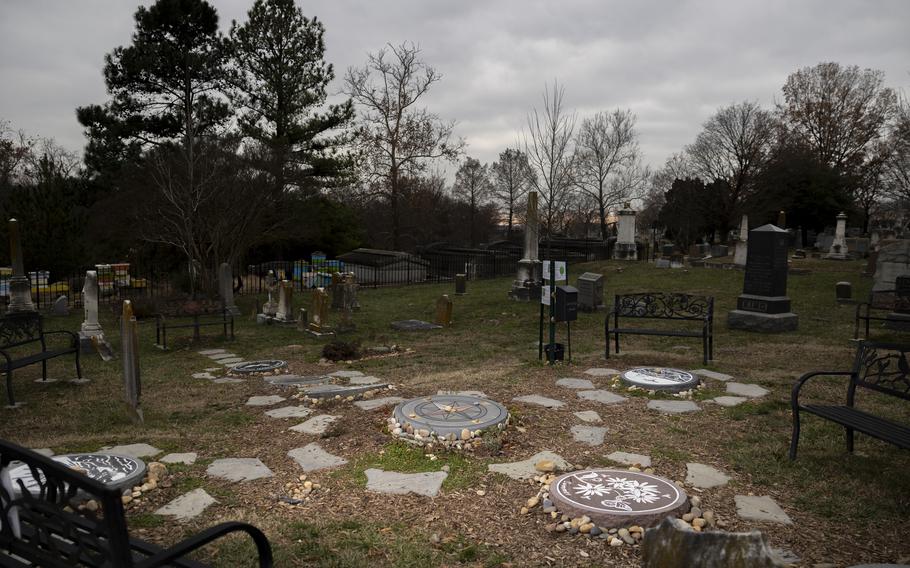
(794,396)
(184,547)
(73,338)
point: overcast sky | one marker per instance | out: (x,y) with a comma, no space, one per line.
(672,63)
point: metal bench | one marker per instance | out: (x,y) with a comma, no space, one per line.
(663,306)
(40,526)
(200,313)
(24,328)
(879,367)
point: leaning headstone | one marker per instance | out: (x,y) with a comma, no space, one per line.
(674,544)
(129,342)
(838,250)
(625,248)
(461,284)
(843,292)
(764,305)
(20,288)
(226,289)
(61,306)
(90,326)
(285,312)
(444,310)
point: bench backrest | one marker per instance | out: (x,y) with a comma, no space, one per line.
(21,328)
(36,526)
(881,367)
(664,305)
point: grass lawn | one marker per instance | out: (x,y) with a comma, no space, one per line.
(847,509)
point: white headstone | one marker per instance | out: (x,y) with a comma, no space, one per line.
(838,250)
(90,327)
(742,245)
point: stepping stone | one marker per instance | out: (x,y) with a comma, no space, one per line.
(461,393)
(208,352)
(539,401)
(596,372)
(606,397)
(188,505)
(346,374)
(189,458)
(331,391)
(414,325)
(705,373)
(588,416)
(363,380)
(138,451)
(315,425)
(297,380)
(760,508)
(375,403)
(575,383)
(626,458)
(313,458)
(525,469)
(267,400)
(227,381)
(221,355)
(705,476)
(289,412)
(239,469)
(590,435)
(743,389)
(729,400)
(44,451)
(231,361)
(426,484)
(204,375)
(673,406)
(213,369)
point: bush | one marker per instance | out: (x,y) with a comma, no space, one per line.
(341,351)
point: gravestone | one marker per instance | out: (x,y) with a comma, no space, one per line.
(20,288)
(526,286)
(444,308)
(271,284)
(674,544)
(782,219)
(319,313)
(764,305)
(667,250)
(226,289)
(129,345)
(285,312)
(838,249)
(625,247)
(742,244)
(590,287)
(61,306)
(90,326)
(893,260)
(719,251)
(337,291)
(843,292)
(461,284)
(660,378)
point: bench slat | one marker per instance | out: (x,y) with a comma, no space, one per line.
(35,358)
(864,422)
(672,333)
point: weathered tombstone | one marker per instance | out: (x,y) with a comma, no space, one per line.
(664,263)
(285,312)
(90,326)
(302,319)
(844,292)
(526,286)
(838,250)
(719,251)
(61,306)
(461,284)
(625,247)
(674,544)
(590,287)
(893,260)
(226,289)
(764,305)
(742,245)
(20,289)
(348,301)
(444,308)
(271,285)
(319,313)
(129,342)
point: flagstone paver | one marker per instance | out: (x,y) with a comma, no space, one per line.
(213,369)
(188,505)
(729,400)
(673,406)
(208,352)
(366,380)
(290,412)
(133,450)
(315,425)
(203,375)
(374,403)
(575,383)
(525,469)
(704,476)
(590,435)
(627,458)
(760,508)
(600,372)
(602,396)
(588,416)
(187,458)
(231,361)
(239,469)
(463,393)
(705,373)
(743,389)
(313,458)
(222,355)
(346,374)
(267,400)
(342,391)
(539,401)
(426,484)
(227,380)
(297,380)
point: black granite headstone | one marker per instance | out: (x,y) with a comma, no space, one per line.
(765,287)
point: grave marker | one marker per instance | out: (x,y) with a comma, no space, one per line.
(285,302)
(20,289)
(90,326)
(226,288)
(444,308)
(319,313)
(129,342)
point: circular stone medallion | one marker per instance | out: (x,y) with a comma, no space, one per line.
(450,414)
(265,366)
(660,378)
(615,498)
(111,469)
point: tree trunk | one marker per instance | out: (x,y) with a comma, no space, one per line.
(396,229)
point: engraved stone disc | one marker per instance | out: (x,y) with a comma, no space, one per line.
(111,469)
(615,498)
(264,366)
(449,413)
(660,378)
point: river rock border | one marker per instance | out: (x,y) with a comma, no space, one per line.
(467,439)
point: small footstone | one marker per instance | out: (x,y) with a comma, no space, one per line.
(227,381)
(289,412)
(187,458)
(712,375)
(760,508)
(315,425)
(231,361)
(204,375)
(221,355)
(363,380)
(525,469)
(590,435)
(603,396)
(705,476)
(187,506)
(588,416)
(374,403)
(575,383)
(239,469)
(540,401)
(743,389)
(346,374)
(268,400)
(208,352)
(626,458)
(596,372)
(426,484)
(133,450)
(673,406)
(461,393)
(313,458)
(729,400)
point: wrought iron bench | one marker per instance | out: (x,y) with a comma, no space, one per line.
(664,306)
(24,328)
(880,301)
(880,367)
(40,526)
(200,313)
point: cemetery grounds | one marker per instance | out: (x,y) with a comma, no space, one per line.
(845,509)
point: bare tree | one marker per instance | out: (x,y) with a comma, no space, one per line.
(896,169)
(608,161)
(472,183)
(15,150)
(397,138)
(548,144)
(511,178)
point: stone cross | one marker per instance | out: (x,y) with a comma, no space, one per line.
(226,289)
(20,289)
(444,308)
(285,301)
(129,341)
(319,310)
